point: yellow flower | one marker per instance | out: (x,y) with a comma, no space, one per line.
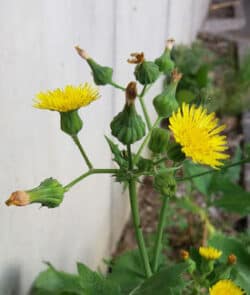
(209,253)
(68,99)
(198,134)
(225,287)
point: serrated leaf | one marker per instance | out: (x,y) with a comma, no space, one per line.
(127,271)
(53,282)
(118,155)
(93,283)
(231,245)
(166,281)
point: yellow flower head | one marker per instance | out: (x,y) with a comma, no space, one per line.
(225,287)
(68,99)
(198,134)
(209,253)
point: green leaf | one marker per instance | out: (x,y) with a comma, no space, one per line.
(127,271)
(201,183)
(233,198)
(231,245)
(166,281)
(201,76)
(93,283)
(185,95)
(53,282)
(118,155)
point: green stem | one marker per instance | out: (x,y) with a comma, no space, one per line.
(145,112)
(213,171)
(83,153)
(159,233)
(145,141)
(117,86)
(90,172)
(136,219)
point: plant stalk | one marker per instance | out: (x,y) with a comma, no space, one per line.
(90,172)
(82,151)
(159,233)
(136,219)
(247,160)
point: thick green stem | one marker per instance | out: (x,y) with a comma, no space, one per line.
(117,86)
(145,141)
(213,171)
(83,153)
(136,220)
(90,172)
(159,233)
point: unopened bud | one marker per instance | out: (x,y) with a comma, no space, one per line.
(231,259)
(165,183)
(184,254)
(159,140)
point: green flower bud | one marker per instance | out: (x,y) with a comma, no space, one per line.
(146,72)
(164,62)
(128,127)
(102,75)
(49,194)
(165,183)
(175,153)
(165,103)
(159,140)
(71,122)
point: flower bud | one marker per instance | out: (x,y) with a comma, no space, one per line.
(231,259)
(71,123)
(146,72)
(159,140)
(165,103)
(49,193)
(102,75)
(127,126)
(175,153)
(164,62)
(165,184)
(184,254)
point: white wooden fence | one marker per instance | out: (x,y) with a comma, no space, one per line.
(36,53)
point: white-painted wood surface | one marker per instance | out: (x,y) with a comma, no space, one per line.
(37,39)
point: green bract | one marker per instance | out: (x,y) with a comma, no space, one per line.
(159,140)
(102,75)
(165,183)
(165,103)
(71,123)
(128,126)
(49,193)
(146,72)
(164,62)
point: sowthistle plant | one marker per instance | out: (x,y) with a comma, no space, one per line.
(192,133)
